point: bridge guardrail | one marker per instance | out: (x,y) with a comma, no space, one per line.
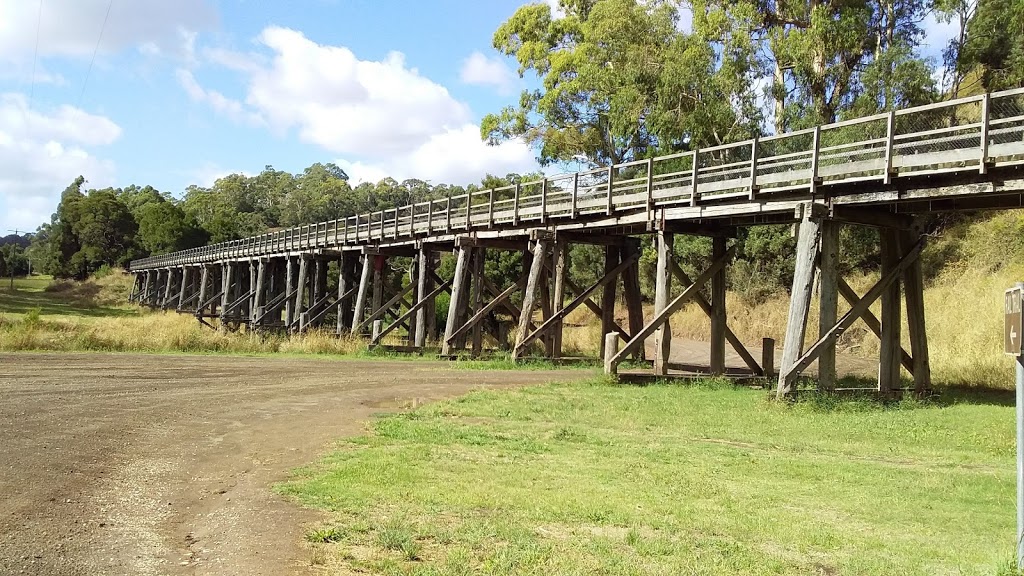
(977,132)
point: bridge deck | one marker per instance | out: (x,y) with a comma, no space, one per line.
(967,147)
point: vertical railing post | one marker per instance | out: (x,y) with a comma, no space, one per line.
(753,167)
(650,193)
(515,206)
(611,189)
(814,159)
(395,234)
(890,139)
(544,201)
(430,217)
(469,208)
(983,161)
(381,233)
(448,216)
(575,192)
(694,173)
(490,209)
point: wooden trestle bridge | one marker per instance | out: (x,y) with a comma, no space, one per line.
(880,171)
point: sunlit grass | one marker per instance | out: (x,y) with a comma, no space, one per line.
(596,478)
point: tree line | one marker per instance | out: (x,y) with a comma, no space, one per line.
(94,228)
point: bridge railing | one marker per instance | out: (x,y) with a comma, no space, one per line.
(972,133)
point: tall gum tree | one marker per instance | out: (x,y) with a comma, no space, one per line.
(619,81)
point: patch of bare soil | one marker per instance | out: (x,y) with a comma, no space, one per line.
(148,464)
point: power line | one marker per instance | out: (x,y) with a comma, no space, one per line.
(35,56)
(95,50)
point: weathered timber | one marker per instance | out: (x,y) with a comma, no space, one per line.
(455,304)
(913,281)
(718,316)
(611,262)
(423,262)
(186,275)
(496,301)
(850,317)
(364,286)
(560,258)
(260,289)
(871,321)
(730,336)
(631,291)
(540,250)
(300,294)
(419,305)
(889,345)
(476,339)
(550,323)
(662,317)
(662,288)
(828,310)
(808,242)
(289,289)
(384,308)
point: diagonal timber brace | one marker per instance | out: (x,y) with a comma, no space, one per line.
(404,318)
(872,322)
(789,373)
(611,276)
(380,312)
(638,339)
(704,305)
(490,306)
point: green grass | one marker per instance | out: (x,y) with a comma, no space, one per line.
(56,299)
(597,478)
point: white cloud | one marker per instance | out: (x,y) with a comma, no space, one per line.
(72,27)
(480,70)
(454,156)
(347,105)
(384,117)
(556,9)
(41,152)
(231,108)
(208,174)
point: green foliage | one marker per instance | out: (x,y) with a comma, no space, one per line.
(326,535)
(13,260)
(620,82)
(164,227)
(995,44)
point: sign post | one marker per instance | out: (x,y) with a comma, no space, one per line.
(1013,334)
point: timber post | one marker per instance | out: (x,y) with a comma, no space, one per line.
(540,250)
(808,242)
(889,348)
(561,268)
(424,259)
(662,286)
(611,261)
(828,309)
(718,316)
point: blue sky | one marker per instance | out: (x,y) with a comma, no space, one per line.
(183,91)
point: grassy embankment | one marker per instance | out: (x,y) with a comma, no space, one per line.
(42,314)
(604,479)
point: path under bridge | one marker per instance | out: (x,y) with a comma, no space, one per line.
(882,171)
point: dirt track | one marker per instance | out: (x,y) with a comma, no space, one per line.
(138,464)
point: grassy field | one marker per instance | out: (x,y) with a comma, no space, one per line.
(604,479)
